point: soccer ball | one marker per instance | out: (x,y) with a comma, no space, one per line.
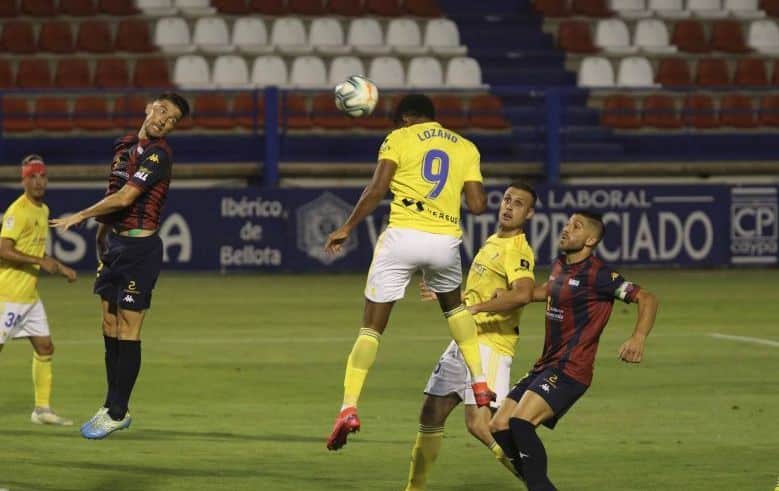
(356,96)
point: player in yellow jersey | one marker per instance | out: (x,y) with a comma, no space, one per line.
(428,168)
(502,268)
(22,253)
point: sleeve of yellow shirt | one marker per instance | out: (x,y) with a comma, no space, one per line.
(520,261)
(391,147)
(473,172)
(13,224)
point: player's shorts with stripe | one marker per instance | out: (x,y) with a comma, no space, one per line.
(451,375)
(400,252)
(22,320)
(558,389)
(129,270)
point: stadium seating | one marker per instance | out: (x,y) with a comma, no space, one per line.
(612,35)
(308,72)
(651,36)
(751,72)
(94,36)
(172,36)
(699,112)
(575,37)
(133,36)
(660,112)
(326,116)
(405,38)
(191,72)
(78,8)
(620,112)
(91,114)
(736,111)
(387,71)
(194,8)
(56,37)
(463,72)
(342,67)
(112,73)
(18,38)
(72,73)
(53,114)
(769,110)
(764,36)
(211,112)
(269,70)
(6,75)
(673,72)
(365,35)
(425,71)
(630,9)
(486,112)
(151,73)
(450,112)
(39,8)
(443,38)
(595,71)
(288,34)
(230,72)
(33,74)
(327,37)
(712,72)
(250,36)
(689,36)
(212,36)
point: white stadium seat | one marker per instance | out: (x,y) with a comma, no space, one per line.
(707,9)
(366,37)
(425,71)
(156,8)
(404,37)
(171,34)
(288,35)
(443,38)
(230,71)
(212,36)
(195,8)
(343,67)
(327,36)
(635,71)
(463,72)
(191,72)
(764,36)
(387,72)
(630,9)
(651,36)
(595,71)
(669,9)
(250,36)
(308,71)
(269,70)
(744,9)
(612,36)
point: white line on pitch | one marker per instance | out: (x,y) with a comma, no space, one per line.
(745,339)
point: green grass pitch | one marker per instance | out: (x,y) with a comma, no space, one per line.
(242,376)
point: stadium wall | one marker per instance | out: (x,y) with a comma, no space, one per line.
(285,229)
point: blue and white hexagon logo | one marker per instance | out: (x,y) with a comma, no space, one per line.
(319,218)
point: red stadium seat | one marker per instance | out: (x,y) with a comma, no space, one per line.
(129,112)
(245,108)
(94,36)
(211,112)
(117,7)
(769,110)
(152,73)
(33,74)
(736,110)
(56,37)
(592,8)
(18,38)
(39,8)
(52,114)
(486,112)
(6,75)
(660,112)
(326,115)
(133,36)
(552,8)
(751,72)
(8,8)
(268,7)
(673,72)
(384,8)
(78,8)
(72,73)
(620,112)
(91,113)
(699,112)
(16,115)
(423,8)
(231,7)
(112,73)
(450,112)
(346,8)
(727,36)
(712,72)
(575,36)
(690,37)
(295,113)
(306,7)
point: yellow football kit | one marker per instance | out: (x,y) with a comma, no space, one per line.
(433,164)
(28,225)
(499,262)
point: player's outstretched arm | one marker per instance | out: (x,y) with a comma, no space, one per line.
(632,350)
(9,253)
(371,196)
(111,203)
(539,293)
(520,294)
(475,197)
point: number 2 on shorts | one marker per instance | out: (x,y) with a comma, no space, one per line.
(435,169)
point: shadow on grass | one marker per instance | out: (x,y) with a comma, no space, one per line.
(115,482)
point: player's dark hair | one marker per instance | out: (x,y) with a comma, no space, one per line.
(527,188)
(596,219)
(177,99)
(30,158)
(414,105)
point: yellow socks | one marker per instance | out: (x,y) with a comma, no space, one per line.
(357,365)
(501,457)
(41,379)
(463,330)
(423,455)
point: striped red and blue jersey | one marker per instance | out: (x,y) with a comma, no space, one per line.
(146,165)
(579,300)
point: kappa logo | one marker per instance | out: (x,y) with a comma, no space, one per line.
(128,299)
(153,158)
(614,275)
(523,455)
(316,220)
(545,388)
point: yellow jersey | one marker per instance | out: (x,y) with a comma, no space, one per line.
(28,225)
(433,165)
(500,262)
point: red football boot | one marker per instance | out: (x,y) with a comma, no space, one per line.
(346,422)
(483,394)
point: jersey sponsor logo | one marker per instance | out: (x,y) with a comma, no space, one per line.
(152,158)
(573,282)
(624,290)
(8,224)
(140,175)
(524,265)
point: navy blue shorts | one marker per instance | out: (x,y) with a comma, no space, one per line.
(558,389)
(129,270)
